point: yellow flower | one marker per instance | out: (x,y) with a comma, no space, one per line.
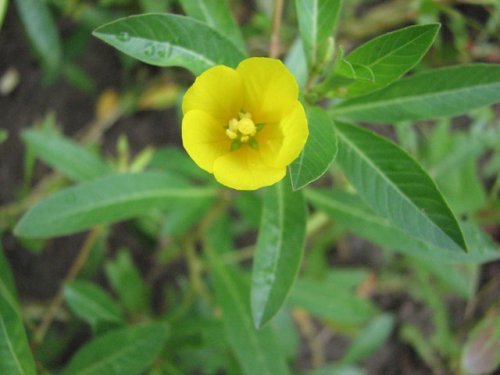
(244,125)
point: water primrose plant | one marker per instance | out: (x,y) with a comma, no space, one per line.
(334,213)
(246,125)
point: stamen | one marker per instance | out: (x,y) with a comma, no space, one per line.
(247,127)
(242,130)
(231,134)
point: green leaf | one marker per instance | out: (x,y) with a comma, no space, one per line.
(217,15)
(329,301)
(350,212)
(3,11)
(369,339)
(15,353)
(391,55)
(6,272)
(92,304)
(42,32)
(278,251)
(125,351)
(105,200)
(173,160)
(435,93)
(318,153)
(396,187)
(64,155)
(317,21)
(170,40)
(127,282)
(183,216)
(257,351)
(296,63)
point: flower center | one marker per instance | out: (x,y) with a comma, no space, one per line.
(242,130)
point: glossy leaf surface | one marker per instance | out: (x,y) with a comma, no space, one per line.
(436,93)
(391,55)
(317,21)
(278,251)
(396,187)
(349,211)
(105,200)
(257,351)
(318,153)
(170,40)
(217,15)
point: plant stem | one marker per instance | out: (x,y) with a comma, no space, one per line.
(57,301)
(274,49)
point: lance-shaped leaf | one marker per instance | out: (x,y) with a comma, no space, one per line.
(391,55)
(257,351)
(369,339)
(42,32)
(317,21)
(125,351)
(92,304)
(351,213)
(69,158)
(435,93)
(318,153)
(396,187)
(279,250)
(329,301)
(170,40)
(217,15)
(15,353)
(105,200)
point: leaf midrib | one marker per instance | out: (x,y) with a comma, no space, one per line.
(243,313)
(279,242)
(95,307)
(393,51)
(6,294)
(118,353)
(11,349)
(381,103)
(154,194)
(395,187)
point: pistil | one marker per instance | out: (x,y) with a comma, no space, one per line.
(242,130)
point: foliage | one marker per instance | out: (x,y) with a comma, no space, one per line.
(257,277)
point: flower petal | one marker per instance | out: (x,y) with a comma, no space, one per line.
(280,143)
(204,138)
(270,90)
(243,169)
(217,91)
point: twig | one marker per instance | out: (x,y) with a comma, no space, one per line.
(274,48)
(310,334)
(57,301)
(195,267)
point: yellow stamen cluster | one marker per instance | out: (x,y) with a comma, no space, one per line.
(241,129)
